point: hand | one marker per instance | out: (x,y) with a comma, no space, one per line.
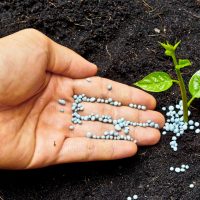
(34,73)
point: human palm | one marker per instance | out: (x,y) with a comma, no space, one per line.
(35,72)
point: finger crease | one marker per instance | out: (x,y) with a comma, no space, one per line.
(90,150)
(67,67)
(104,93)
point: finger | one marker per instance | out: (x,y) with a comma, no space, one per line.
(84,149)
(60,60)
(126,112)
(143,136)
(66,62)
(97,87)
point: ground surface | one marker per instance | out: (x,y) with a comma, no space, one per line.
(119,37)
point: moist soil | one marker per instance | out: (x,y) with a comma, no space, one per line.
(119,37)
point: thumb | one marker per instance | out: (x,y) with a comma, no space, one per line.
(66,62)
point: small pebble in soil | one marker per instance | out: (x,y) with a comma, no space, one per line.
(177,170)
(164,133)
(135,196)
(171,168)
(109,87)
(157,30)
(62,102)
(197,130)
(190,122)
(191,185)
(164,108)
(186,166)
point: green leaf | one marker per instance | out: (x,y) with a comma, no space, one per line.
(163,45)
(194,85)
(170,49)
(155,82)
(176,45)
(183,63)
(169,53)
(167,46)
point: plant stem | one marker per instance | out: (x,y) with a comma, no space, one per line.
(190,101)
(175,81)
(183,90)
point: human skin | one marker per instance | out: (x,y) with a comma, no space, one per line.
(34,73)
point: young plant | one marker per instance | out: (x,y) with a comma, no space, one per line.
(160,81)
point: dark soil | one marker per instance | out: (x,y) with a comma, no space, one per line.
(119,37)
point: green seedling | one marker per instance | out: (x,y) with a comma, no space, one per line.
(160,81)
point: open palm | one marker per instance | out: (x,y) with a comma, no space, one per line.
(35,72)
